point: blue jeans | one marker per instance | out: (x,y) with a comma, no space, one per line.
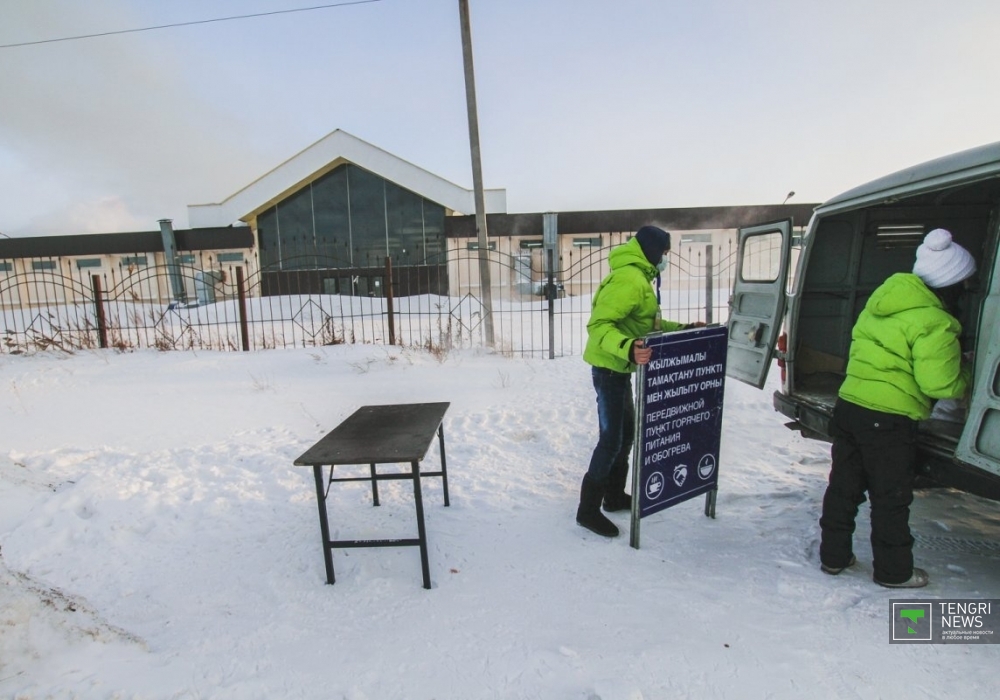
(616,415)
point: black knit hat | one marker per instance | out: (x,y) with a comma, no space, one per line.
(654,242)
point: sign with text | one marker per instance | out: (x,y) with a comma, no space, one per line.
(679,418)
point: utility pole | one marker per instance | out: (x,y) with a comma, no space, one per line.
(477,173)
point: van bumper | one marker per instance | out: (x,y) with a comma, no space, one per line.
(936,463)
(812,420)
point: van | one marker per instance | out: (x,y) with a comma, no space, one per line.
(797,296)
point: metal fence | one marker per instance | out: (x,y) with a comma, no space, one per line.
(540,301)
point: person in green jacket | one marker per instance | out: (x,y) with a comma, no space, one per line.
(905,354)
(624,310)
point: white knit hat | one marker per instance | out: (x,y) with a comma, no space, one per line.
(941,262)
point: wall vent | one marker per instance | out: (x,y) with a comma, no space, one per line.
(899,235)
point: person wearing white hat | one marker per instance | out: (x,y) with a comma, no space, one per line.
(905,354)
(941,262)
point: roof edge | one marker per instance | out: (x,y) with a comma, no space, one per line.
(972,164)
(338,147)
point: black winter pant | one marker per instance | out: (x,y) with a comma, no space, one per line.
(873,452)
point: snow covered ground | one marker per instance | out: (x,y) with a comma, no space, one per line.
(156,542)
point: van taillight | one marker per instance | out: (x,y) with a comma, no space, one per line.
(782,347)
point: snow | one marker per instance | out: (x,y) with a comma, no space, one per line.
(157,542)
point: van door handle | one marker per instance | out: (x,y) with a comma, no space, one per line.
(755,333)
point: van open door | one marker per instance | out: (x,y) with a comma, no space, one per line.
(980,441)
(758,301)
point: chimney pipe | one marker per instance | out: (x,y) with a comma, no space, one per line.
(170,256)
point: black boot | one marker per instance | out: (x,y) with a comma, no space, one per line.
(615,498)
(617,501)
(589,513)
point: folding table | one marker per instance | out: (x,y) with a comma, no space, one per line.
(373,435)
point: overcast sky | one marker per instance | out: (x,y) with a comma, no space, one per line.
(583,104)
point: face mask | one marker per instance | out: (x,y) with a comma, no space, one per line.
(662,265)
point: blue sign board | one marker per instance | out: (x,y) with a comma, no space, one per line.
(679,398)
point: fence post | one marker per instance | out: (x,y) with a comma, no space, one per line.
(388,300)
(709,300)
(242,295)
(550,293)
(102,324)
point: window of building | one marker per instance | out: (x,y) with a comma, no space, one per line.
(405,225)
(6,267)
(587,242)
(696,238)
(268,242)
(434,247)
(87,262)
(43,264)
(351,217)
(137,260)
(229,257)
(295,227)
(332,219)
(366,192)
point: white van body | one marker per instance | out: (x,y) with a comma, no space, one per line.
(852,244)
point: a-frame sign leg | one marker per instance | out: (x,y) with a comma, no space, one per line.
(710,503)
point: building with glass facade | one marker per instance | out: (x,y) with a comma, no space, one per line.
(338,210)
(350,217)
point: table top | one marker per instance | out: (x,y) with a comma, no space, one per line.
(379,435)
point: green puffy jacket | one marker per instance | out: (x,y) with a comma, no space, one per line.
(624,308)
(904,351)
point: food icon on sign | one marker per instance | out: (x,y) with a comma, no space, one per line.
(706,467)
(654,485)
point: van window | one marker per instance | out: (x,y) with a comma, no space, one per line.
(762,257)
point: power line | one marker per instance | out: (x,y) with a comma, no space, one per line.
(187,24)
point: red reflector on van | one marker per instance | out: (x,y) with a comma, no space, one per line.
(782,347)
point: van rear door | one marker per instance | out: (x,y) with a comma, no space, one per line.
(758,300)
(980,441)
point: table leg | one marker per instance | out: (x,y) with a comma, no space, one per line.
(324,526)
(444,465)
(421,530)
(374,486)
